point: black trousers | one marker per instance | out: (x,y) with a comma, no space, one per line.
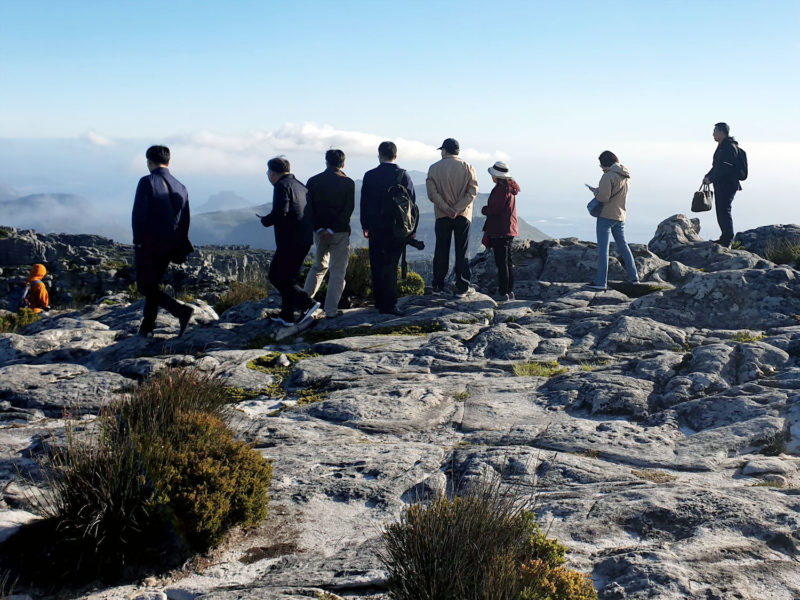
(384,258)
(724,193)
(151,264)
(283,270)
(501,247)
(446,229)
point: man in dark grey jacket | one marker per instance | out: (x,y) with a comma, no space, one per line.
(160,221)
(724,174)
(332,196)
(291,217)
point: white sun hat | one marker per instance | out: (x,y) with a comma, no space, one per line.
(500,170)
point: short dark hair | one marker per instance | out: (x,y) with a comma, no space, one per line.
(279,164)
(724,127)
(334,158)
(387,150)
(158,154)
(607,158)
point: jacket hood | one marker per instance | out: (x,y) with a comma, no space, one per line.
(37,272)
(620,170)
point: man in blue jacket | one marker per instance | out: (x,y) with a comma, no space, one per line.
(160,221)
(376,221)
(294,233)
(724,174)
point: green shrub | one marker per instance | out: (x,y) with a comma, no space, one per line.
(359,275)
(538,369)
(161,460)
(132,294)
(253,287)
(784,252)
(482,545)
(747,336)
(13,322)
(208,480)
(412,285)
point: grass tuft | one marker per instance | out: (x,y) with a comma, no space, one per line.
(483,543)
(784,252)
(13,322)
(654,475)
(747,336)
(253,288)
(538,369)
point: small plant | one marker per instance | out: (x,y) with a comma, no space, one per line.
(784,252)
(132,294)
(412,285)
(737,245)
(654,475)
(280,374)
(254,287)
(461,396)
(594,364)
(483,544)
(359,275)
(538,369)
(13,322)
(747,336)
(770,484)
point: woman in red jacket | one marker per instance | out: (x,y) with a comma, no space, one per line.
(501,226)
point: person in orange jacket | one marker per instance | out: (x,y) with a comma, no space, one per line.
(38,298)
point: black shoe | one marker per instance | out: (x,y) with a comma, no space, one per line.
(145,333)
(184,320)
(723,243)
(391,311)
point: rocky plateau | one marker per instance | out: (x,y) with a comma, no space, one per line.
(665,455)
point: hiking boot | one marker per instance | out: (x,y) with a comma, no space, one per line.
(309,313)
(723,243)
(437,291)
(391,311)
(469,290)
(596,288)
(511,296)
(501,298)
(144,332)
(183,320)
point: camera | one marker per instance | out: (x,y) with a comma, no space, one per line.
(418,244)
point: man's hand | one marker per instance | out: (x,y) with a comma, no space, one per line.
(452,214)
(366,234)
(325,235)
(706,181)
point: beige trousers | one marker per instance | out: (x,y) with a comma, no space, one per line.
(336,252)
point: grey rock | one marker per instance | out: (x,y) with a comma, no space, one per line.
(765,240)
(506,341)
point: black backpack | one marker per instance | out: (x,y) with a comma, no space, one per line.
(403,212)
(741,163)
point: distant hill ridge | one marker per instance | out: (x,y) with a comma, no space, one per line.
(240,225)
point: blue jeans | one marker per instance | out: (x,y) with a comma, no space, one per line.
(617,229)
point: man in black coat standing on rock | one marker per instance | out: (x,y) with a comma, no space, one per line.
(160,223)
(294,233)
(724,174)
(385,249)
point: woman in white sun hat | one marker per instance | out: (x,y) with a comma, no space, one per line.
(501,226)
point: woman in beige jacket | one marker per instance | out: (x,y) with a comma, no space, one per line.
(612,193)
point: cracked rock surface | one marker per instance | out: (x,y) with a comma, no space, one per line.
(665,456)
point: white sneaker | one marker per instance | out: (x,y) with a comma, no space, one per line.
(310,312)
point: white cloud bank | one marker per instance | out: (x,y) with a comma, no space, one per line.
(206,152)
(98,139)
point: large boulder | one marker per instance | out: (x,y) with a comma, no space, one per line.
(678,239)
(769,240)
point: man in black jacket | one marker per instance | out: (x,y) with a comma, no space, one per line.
(332,198)
(376,220)
(291,216)
(160,221)
(724,174)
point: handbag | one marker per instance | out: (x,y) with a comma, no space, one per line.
(595,207)
(181,246)
(703,199)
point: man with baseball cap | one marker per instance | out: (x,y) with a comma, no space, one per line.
(452,187)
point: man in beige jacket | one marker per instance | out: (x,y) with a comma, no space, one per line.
(452,187)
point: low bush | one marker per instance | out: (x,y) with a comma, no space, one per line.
(155,477)
(13,322)
(481,545)
(538,369)
(747,336)
(784,252)
(253,287)
(412,285)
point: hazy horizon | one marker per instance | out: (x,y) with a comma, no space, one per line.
(544,86)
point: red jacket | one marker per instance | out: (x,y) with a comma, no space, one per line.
(501,211)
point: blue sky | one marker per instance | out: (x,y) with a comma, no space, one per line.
(547,85)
